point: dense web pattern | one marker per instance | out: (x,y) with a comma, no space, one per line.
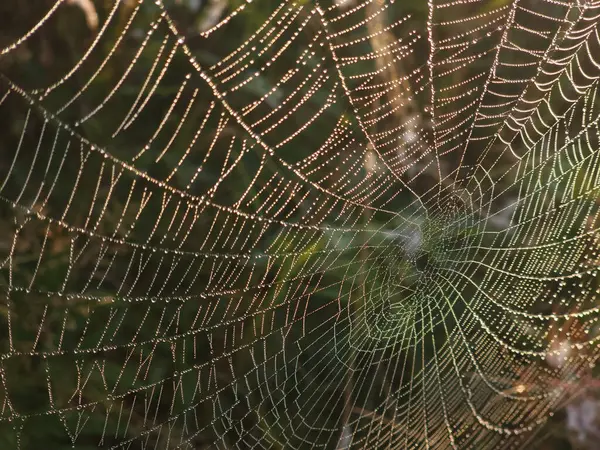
(358,227)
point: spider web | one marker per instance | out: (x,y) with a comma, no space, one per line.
(358,227)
